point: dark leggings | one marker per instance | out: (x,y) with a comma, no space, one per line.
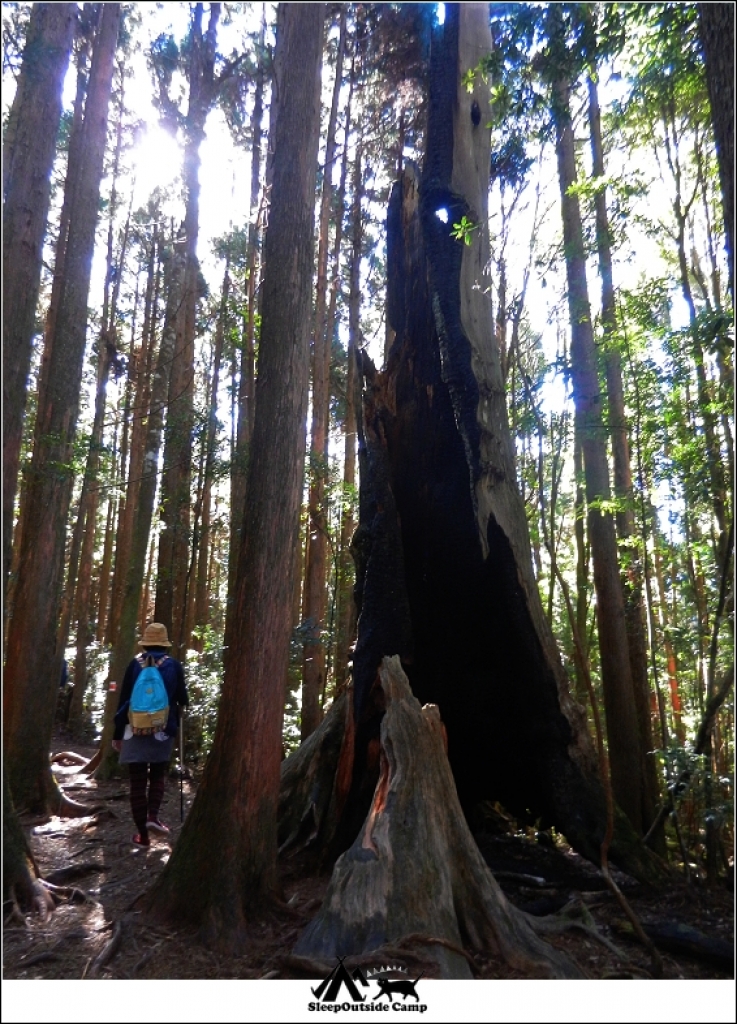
(146,808)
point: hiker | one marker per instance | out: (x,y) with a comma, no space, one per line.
(147,756)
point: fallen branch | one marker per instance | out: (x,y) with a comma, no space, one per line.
(674,937)
(68,757)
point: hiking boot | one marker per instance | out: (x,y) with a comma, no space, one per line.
(157,826)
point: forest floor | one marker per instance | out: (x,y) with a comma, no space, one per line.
(96,929)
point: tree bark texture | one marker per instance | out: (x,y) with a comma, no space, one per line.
(142,514)
(28,156)
(619,700)
(175,539)
(716,27)
(235,810)
(414,869)
(632,578)
(33,664)
(315,584)
(444,567)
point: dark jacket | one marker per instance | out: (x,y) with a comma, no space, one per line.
(173,675)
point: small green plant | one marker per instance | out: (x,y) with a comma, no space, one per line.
(463,229)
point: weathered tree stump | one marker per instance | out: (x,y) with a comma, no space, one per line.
(414,869)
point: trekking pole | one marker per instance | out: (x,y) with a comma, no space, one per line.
(181,766)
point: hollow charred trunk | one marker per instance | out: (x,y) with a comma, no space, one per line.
(444,568)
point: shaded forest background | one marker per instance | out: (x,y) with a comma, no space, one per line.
(133,349)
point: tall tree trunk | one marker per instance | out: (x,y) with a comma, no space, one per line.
(247,368)
(175,539)
(235,807)
(28,156)
(125,639)
(716,27)
(138,399)
(315,588)
(33,663)
(624,492)
(199,585)
(346,605)
(619,700)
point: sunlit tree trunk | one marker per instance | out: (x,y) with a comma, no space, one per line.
(619,701)
(315,586)
(623,490)
(32,670)
(175,538)
(235,807)
(346,604)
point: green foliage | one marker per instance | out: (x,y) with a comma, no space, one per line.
(462,230)
(204,673)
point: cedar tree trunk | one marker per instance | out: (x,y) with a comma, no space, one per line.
(33,664)
(235,810)
(28,155)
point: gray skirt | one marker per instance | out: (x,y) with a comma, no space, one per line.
(146,749)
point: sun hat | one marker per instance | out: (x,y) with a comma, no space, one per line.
(155,635)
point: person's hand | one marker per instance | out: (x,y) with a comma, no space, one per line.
(117,745)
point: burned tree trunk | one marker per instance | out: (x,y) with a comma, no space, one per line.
(444,567)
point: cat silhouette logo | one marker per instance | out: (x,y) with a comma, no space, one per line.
(403,987)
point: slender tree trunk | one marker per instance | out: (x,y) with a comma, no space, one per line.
(136,416)
(28,156)
(315,588)
(176,538)
(623,489)
(124,644)
(346,605)
(107,551)
(235,807)
(247,382)
(621,714)
(199,584)
(33,668)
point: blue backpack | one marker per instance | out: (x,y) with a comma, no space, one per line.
(149,704)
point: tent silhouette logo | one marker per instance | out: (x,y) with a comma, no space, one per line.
(330,988)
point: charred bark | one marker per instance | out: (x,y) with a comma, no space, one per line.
(444,569)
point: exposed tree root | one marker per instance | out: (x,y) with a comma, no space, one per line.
(574,915)
(108,951)
(415,868)
(67,874)
(65,892)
